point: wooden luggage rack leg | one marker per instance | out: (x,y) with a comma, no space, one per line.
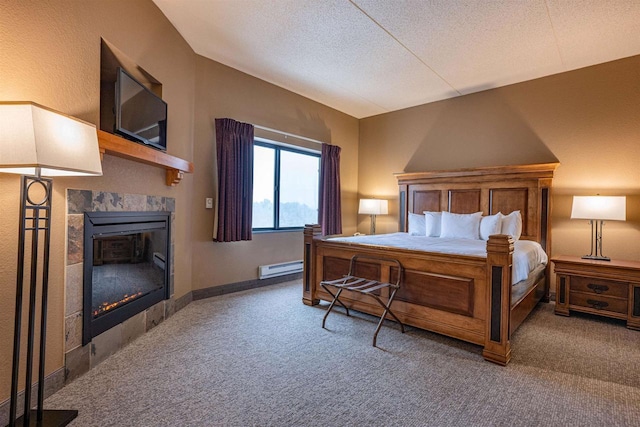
(365,287)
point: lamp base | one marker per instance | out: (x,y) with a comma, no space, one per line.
(50,418)
(597,258)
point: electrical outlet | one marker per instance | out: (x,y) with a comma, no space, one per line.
(208,203)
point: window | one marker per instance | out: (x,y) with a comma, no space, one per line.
(285,187)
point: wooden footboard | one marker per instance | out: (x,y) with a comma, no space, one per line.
(459,296)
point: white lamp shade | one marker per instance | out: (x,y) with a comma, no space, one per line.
(33,136)
(373,207)
(599,207)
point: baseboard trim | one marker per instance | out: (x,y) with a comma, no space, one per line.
(52,383)
(229,288)
(183,301)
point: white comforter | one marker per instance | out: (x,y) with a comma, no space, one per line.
(527,254)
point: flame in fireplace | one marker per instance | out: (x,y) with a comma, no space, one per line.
(107,306)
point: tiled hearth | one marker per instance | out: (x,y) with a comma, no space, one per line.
(80,359)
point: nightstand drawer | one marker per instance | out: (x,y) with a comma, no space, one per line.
(598,302)
(600,287)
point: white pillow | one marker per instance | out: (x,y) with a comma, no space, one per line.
(416,225)
(512,225)
(461,226)
(432,223)
(491,224)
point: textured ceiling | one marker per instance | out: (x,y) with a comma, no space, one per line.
(367,57)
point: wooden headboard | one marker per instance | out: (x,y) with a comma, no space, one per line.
(505,189)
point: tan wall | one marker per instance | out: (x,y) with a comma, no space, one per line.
(51,55)
(225,92)
(586,119)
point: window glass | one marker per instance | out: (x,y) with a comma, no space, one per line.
(285,187)
(263,187)
(298,189)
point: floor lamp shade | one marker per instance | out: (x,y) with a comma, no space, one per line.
(35,142)
(33,136)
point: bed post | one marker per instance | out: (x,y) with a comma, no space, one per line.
(308,277)
(497,344)
(403,208)
(545,231)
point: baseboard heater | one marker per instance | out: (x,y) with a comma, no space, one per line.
(274,270)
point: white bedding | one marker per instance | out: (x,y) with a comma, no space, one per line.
(527,254)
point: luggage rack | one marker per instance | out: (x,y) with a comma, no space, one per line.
(365,287)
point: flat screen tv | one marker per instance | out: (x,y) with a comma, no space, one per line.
(141,115)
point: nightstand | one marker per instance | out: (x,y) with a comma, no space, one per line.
(605,288)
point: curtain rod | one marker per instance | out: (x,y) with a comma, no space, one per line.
(293,135)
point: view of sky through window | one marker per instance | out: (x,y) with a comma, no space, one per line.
(297,198)
(263,184)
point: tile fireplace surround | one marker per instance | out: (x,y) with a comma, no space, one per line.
(80,359)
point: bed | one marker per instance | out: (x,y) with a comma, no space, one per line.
(470,297)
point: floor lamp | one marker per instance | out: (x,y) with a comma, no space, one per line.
(36,142)
(597,209)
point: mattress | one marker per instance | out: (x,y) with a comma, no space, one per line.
(519,289)
(527,255)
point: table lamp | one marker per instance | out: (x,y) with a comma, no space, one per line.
(373,207)
(597,209)
(36,141)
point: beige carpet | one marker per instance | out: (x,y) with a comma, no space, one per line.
(261,358)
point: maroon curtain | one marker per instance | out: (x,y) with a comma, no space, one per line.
(234,146)
(330,208)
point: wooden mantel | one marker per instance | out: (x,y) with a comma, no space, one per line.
(117,146)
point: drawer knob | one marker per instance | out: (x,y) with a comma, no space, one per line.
(598,289)
(598,305)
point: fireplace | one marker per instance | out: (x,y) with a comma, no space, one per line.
(126,267)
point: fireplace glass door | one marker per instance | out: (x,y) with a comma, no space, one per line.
(126,266)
